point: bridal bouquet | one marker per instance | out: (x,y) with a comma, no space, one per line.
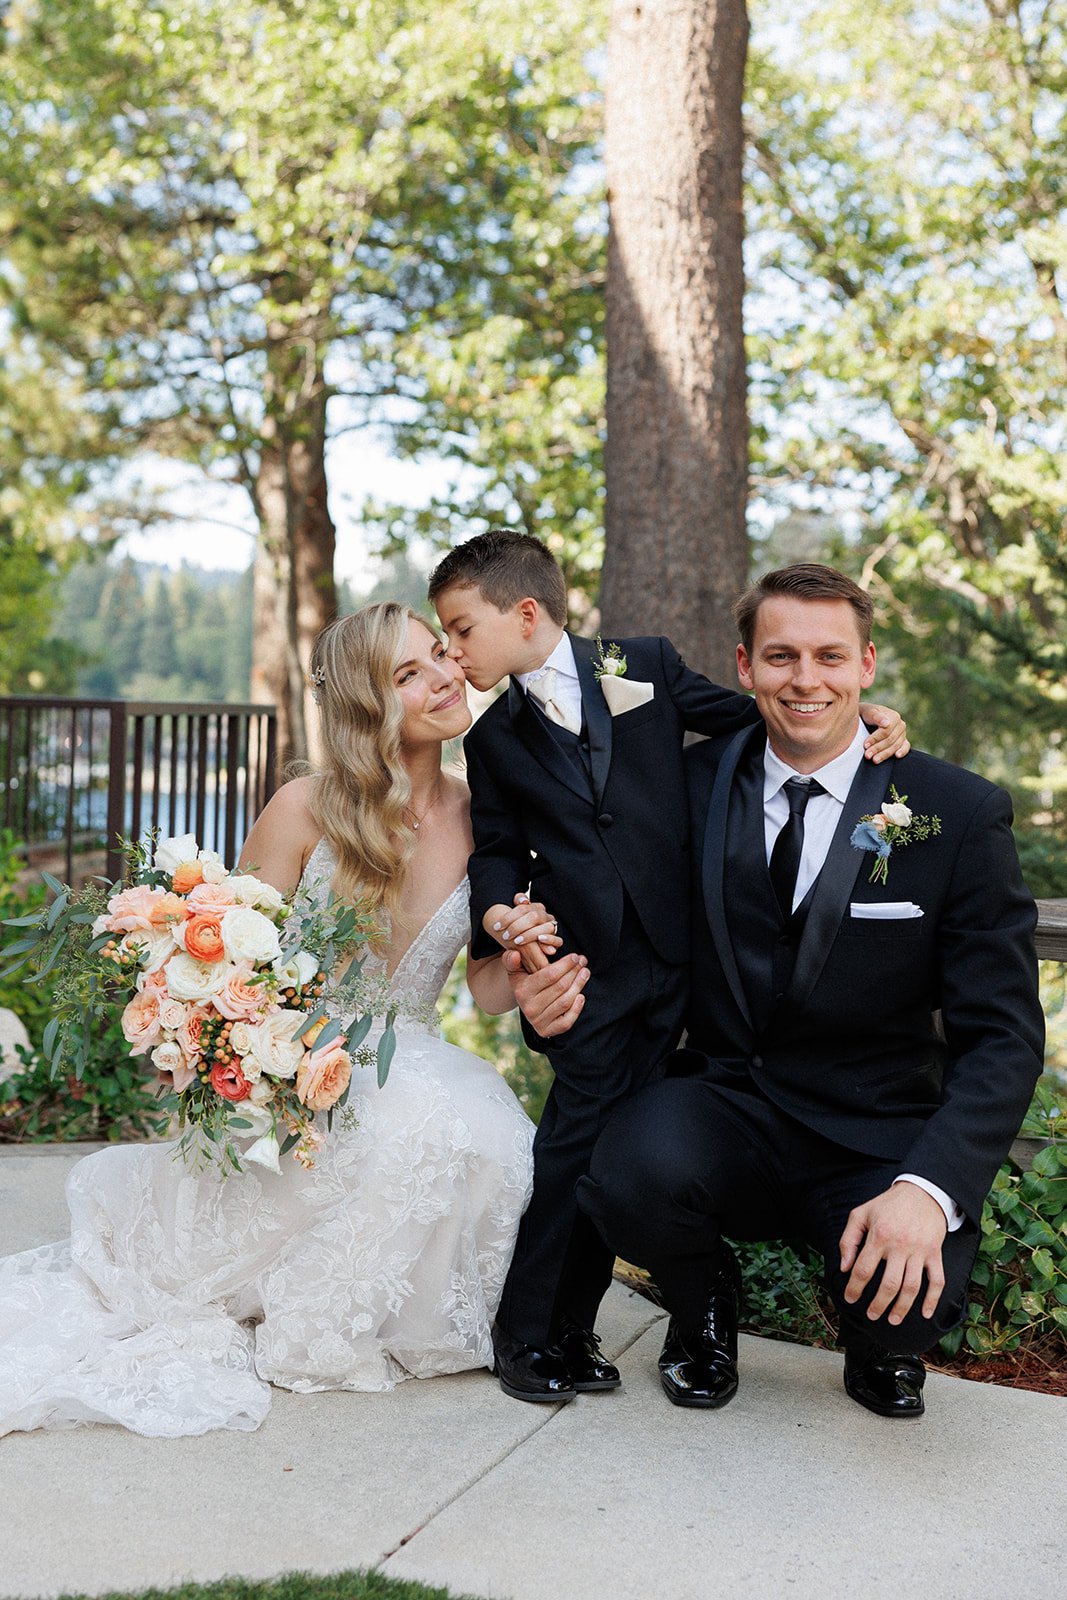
(222,988)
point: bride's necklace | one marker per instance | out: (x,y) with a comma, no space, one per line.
(411,816)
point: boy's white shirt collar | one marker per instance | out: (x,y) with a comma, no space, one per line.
(562,659)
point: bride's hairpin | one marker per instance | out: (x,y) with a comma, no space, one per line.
(318,679)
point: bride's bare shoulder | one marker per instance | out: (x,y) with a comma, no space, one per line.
(283,836)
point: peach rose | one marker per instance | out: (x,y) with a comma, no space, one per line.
(203,937)
(170,909)
(188,1035)
(239,1000)
(140,1021)
(230,1082)
(133,908)
(210,897)
(323,1075)
(186,876)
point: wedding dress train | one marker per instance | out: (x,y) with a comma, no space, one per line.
(181,1296)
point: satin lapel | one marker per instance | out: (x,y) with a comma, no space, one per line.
(597,715)
(714,862)
(528,727)
(840,870)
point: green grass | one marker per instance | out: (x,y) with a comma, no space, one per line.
(294,1586)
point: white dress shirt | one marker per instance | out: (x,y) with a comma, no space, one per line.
(821,816)
(568,689)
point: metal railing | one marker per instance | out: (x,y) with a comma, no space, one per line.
(75,775)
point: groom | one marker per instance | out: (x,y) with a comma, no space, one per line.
(819,1096)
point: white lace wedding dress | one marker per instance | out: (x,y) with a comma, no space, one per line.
(181,1296)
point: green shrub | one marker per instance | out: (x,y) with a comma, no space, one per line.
(114,1099)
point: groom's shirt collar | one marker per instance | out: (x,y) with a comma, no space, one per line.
(836,777)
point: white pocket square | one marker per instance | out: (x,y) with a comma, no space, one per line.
(625,694)
(885,910)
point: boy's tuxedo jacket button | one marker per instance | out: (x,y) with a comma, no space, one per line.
(605,819)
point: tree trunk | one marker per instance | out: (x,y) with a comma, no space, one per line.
(294,595)
(677,437)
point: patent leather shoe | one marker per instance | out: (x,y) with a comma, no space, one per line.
(698,1367)
(890,1386)
(531,1372)
(586,1363)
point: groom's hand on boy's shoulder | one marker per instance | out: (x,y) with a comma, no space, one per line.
(551,999)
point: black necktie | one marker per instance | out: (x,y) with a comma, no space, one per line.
(789,845)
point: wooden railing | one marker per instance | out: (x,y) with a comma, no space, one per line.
(75,775)
(1051,935)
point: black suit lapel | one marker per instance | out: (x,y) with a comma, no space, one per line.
(714,861)
(597,715)
(833,889)
(534,734)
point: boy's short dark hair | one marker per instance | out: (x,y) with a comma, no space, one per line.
(806,580)
(506,566)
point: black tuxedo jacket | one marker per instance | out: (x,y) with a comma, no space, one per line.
(579,831)
(848,1041)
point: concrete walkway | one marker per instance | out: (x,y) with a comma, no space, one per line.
(791,1490)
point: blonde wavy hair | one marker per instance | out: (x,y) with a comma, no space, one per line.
(362,787)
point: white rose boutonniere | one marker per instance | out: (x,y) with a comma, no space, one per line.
(610,663)
(895,825)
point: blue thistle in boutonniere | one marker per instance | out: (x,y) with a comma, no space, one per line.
(892,827)
(610,663)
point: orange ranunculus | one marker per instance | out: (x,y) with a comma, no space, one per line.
(187,876)
(229,1081)
(203,937)
(323,1075)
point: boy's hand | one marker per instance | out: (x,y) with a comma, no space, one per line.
(891,738)
(525,927)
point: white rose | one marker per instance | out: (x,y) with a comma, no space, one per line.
(898,815)
(252,892)
(248,935)
(153,949)
(262,1091)
(240,1039)
(170,853)
(271,1044)
(613,666)
(168,1056)
(213,866)
(172,1015)
(298,970)
(196,980)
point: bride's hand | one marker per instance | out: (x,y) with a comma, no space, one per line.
(526,927)
(891,736)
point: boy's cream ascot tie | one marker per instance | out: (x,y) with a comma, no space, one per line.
(543,690)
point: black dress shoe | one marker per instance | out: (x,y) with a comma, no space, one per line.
(589,1370)
(530,1372)
(698,1367)
(891,1386)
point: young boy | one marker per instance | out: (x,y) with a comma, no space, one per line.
(577,799)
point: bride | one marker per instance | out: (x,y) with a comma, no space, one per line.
(182,1295)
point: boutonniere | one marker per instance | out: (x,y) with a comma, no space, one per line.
(894,825)
(610,663)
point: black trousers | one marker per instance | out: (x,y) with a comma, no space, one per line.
(689,1160)
(631,1019)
